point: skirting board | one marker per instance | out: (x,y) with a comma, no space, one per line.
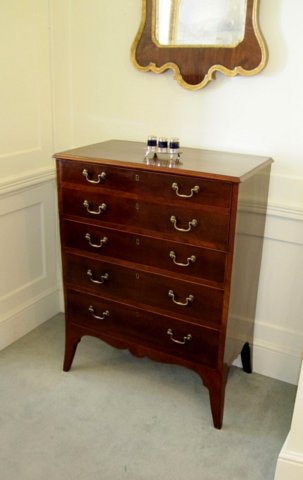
(29,316)
(274,363)
(289,465)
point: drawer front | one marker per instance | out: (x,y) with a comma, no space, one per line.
(183,259)
(162,333)
(187,225)
(166,185)
(188,300)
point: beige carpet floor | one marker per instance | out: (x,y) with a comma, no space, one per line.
(116,417)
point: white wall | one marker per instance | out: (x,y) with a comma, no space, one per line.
(100,95)
(25,114)
(29,282)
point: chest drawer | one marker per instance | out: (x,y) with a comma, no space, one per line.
(186,224)
(170,186)
(182,259)
(133,325)
(188,300)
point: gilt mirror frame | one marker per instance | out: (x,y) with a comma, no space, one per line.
(194,66)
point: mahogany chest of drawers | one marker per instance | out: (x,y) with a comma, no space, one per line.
(154,259)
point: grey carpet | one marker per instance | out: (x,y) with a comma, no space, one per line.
(116,417)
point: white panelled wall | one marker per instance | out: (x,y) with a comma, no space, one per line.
(67,80)
(278,335)
(29,290)
(29,280)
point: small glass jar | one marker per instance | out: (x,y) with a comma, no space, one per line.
(163,145)
(174,144)
(151,145)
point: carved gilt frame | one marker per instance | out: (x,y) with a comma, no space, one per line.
(194,66)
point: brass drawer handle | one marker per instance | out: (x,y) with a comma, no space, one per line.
(93,280)
(192,223)
(186,338)
(188,299)
(98,317)
(100,176)
(103,241)
(101,208)
(195,189)
(190,260)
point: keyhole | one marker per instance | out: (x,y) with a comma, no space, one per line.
(137,242)
(137,206)
(137,276)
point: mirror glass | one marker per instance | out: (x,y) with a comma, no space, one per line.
(200,22)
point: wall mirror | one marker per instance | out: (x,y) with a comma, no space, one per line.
(196,38)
